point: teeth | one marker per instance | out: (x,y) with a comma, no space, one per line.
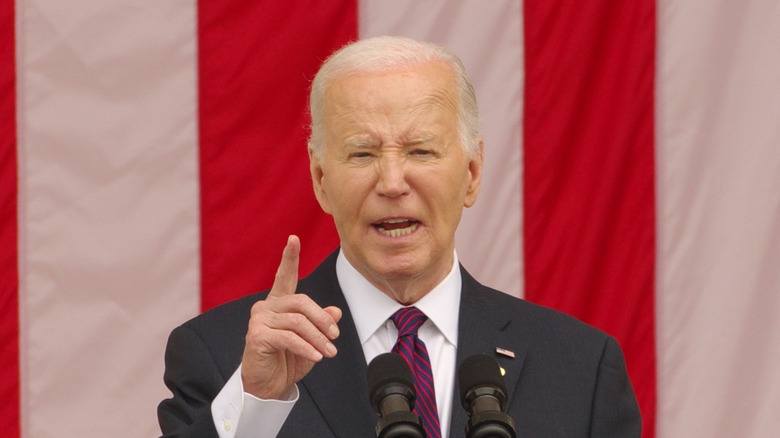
(398,232)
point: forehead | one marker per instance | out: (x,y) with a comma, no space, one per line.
(414,88)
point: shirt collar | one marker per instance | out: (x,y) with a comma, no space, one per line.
(371,307)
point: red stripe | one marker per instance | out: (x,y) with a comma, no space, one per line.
(256,60)
(425,374)
(9,274)
(589,172)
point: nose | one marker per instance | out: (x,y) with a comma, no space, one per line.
(391,181)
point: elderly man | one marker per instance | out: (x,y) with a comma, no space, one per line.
(395,154)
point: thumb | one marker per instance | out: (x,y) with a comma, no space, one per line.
(336,314)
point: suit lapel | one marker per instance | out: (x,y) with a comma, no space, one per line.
(484,326)
(338,386)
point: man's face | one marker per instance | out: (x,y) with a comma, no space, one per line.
(394,175)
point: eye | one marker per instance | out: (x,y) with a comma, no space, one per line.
(361,154)
(422,152)
(361,157)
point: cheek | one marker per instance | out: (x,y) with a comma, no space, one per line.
(451,197)
(454,186)
(345,194)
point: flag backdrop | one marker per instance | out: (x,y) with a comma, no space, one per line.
(152,164)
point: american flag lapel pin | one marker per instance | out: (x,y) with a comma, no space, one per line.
(505,352)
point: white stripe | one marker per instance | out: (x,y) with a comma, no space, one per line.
(108,208)
(487,36)
(718,285)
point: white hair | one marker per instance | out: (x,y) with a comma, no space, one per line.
(387,53)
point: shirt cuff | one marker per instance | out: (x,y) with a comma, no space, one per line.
(237,414)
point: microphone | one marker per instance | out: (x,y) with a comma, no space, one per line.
(483,396)
(392,394)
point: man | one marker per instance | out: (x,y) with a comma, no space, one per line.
(395,155)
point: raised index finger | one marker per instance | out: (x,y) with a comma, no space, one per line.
(287,274)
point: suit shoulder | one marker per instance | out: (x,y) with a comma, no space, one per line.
(226,321)
(541,320)
(544,312)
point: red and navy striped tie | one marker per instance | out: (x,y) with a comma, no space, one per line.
(412,348)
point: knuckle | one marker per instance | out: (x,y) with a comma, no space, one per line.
(325,319)
(298,320)
(256,329)
(288,337)
(259,307)
(299,299)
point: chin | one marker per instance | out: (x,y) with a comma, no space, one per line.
(396,271)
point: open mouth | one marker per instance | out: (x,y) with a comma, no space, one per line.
(396,227)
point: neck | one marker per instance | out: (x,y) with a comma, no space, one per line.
(404,288)
(406,291)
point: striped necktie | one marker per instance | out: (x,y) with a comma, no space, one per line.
(412,348)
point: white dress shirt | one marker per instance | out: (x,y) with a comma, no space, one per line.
(239,414)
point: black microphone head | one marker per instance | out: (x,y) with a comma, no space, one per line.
(392,394)
(386,369)
(480,370)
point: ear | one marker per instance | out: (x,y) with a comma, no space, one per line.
(475,174)
(317,177)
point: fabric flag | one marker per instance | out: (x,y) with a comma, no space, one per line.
(153,163)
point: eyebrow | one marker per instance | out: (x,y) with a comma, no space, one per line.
(358,143)
(420,139)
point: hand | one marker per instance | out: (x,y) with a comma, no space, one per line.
(288,333)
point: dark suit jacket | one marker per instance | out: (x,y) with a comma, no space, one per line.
(567,379)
